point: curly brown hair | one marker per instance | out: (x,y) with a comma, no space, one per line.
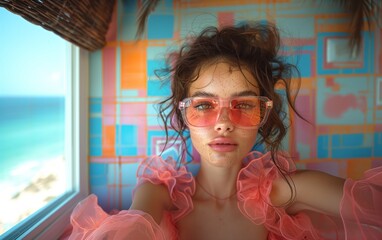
(254,46)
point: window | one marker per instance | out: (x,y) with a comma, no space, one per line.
(43,125)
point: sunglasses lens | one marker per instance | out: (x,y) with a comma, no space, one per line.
(202,112)
(244,111)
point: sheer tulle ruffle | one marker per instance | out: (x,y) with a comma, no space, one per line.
(254,186)
(179,181)
(90,222)
(361,206)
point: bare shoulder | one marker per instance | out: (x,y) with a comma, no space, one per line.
(152,199)
(307,189)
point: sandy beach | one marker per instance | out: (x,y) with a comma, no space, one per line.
(47,183)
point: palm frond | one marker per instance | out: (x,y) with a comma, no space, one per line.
(147,6)
(360,10)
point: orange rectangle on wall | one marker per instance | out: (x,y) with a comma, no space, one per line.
(308,83)
(108,141)
(133,65)
(340,26)
(356,168)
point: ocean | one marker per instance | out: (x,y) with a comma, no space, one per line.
(32,133)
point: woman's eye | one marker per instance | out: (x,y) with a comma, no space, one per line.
(244,106)
(203,106)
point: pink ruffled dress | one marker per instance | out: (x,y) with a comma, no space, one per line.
(361,206)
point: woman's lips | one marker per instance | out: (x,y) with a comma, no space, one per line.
(223,145)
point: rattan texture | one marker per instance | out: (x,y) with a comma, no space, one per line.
(81,22)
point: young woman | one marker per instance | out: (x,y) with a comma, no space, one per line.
(223,93)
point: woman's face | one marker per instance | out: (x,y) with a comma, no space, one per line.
(223,144)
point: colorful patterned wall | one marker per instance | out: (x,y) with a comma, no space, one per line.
(341,95)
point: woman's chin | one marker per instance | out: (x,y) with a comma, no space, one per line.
(223,159)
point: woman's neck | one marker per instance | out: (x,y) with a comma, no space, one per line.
(217,183)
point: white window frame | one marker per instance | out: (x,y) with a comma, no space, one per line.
(52,220)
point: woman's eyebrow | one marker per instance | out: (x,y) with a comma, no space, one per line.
(203,94)
(238,94)
(245,93)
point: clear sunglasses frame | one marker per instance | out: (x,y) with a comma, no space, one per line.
(227,103)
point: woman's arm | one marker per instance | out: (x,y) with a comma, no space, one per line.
(314,190)
(355,203)
(152,199)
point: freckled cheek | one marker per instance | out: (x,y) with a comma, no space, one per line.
(200,138)
(250,134)
(248,138)
(199,135)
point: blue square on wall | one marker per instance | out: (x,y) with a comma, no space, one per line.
(95,126)
(153,65)
(160,26)
(322,146)
(158,88)
(98,174)
(126,140)
(95,105)
(378,144)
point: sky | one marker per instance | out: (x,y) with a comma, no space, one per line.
(32,59)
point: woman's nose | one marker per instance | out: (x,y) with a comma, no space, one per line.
(223,123)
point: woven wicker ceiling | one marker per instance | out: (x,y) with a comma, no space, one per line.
(82,22)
